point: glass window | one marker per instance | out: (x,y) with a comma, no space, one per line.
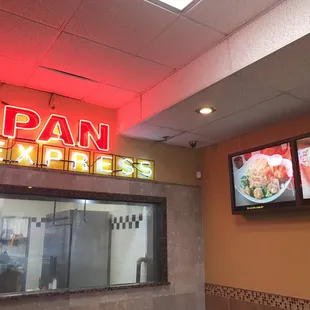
(48,244)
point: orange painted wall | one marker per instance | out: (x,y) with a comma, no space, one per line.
(173,164)
(268,253)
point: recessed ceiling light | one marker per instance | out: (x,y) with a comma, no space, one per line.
(176,4)
(205,110)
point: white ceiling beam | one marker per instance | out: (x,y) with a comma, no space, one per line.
(279,27)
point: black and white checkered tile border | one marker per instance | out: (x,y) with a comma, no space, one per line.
(126,222)
(119,222)
(267,299)
(38,221)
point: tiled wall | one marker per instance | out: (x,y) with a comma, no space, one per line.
(227,298)
(185,245)
(128,229)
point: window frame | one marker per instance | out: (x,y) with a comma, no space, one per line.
(160,227)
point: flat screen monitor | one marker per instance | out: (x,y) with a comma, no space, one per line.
(263,178)
(303,149)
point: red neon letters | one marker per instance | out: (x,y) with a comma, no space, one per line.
(87,131)
(56,128)
(13,119)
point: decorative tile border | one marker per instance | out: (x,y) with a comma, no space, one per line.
(283,302)
(126,222)
(38,221)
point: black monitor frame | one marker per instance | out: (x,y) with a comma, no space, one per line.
(296,204)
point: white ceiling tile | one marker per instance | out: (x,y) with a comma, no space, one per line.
(182,116)
(227,96)
(184,139)
(283,70)
(149,131)
(62,84)
(228,15)
(21,96)
(139,74)
(274,110)
(9,67)
(49,12)
(123,24)
(183,42)
(110,97)
(101,63)
(85,58)
(302,92)
(23,39)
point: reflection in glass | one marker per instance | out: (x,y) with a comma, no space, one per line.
(48,245)
(303,146)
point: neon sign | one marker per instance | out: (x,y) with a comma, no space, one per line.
(55,128)
(55,147)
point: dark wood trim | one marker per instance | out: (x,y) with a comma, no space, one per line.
(73,194)
(51,194)
(69,292)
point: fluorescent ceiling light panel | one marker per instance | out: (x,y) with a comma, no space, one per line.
(177,4)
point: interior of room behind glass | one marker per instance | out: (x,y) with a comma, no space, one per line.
(73,244)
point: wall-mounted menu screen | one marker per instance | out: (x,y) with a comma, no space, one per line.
(263,178)
(303,147)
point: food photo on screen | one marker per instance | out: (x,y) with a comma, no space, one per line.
(264,176)
(303,146)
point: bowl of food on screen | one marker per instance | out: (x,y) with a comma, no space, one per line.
(264,178)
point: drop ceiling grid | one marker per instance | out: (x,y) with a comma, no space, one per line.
(288,69)
(276,109)
(216,15)
(9,67)
(174,137)
(109,96)
(85,58)
(271,111)
(140,28)
(284,70)
(152,17)
(18,27)
(64,85)
(227,96)
(53,13)
(183,42)
(127,25)
(184,139)
(151,132)
(279,108)
(23,39)
(95,93)
(104,64)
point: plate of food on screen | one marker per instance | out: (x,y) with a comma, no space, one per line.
(263,178)
(304,161)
